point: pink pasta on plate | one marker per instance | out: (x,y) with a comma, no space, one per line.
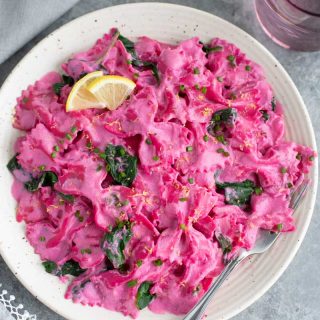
(142,206)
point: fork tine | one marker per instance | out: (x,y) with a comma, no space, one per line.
(298,194)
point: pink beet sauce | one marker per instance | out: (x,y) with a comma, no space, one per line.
(172,229)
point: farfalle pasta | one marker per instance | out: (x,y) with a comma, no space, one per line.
(145,204)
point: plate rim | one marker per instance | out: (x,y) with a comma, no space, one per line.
(274,277)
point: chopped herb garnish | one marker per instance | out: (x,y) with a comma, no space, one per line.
(189,148)
(204,90)
(56,148)
(144,297)
(299,156)
(155,158)
(132,283)
(99,167)
(42,168)
(96,150)
(73,129)
(42,238)
(196,71)
(158,262)
(148,141)
(123,166)
(223,152)
(68,136)
(208,50)
(196,86)
(89,145)
(311,158)
(225,243)
(237,193)
(221,139)
(279,226)
(265,115)
(183,199)
(258,191)
(283,170)
(139,263)
(53,155)
(25,100)
(232,59)
(78,215)
(248,68)
(183,226)
(205,138)
(135,76)
(182,87)
(289,185)
(86,251)
(191,180)
(114,242)
(13,163)
(129,61)
(103,156)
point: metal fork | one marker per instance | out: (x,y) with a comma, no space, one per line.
(265,240)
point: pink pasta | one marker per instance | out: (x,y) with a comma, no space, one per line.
(145,204)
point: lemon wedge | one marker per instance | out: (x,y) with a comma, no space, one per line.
(111,90)
(80,98)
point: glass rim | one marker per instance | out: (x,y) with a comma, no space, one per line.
(305,11)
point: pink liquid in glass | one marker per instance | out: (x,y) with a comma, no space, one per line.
(293,24)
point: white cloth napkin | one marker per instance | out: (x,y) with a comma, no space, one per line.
(21,20)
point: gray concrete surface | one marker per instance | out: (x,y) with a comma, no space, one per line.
(297,294)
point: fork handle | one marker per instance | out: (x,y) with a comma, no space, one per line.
(198,310)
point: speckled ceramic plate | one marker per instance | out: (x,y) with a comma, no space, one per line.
(168,23)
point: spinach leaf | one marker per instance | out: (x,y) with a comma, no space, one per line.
(237,193)
(224,243)
(66,80)
(221,121)
(50,266)
(265,115)
(66,197)
(128,44)
(114,242)
(144,297)
(136,62)
(123,166)
(70,267)
(47,179)
(13,163)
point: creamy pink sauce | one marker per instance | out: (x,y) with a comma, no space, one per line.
(176,210)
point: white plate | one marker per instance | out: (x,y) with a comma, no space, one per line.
(169,23)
